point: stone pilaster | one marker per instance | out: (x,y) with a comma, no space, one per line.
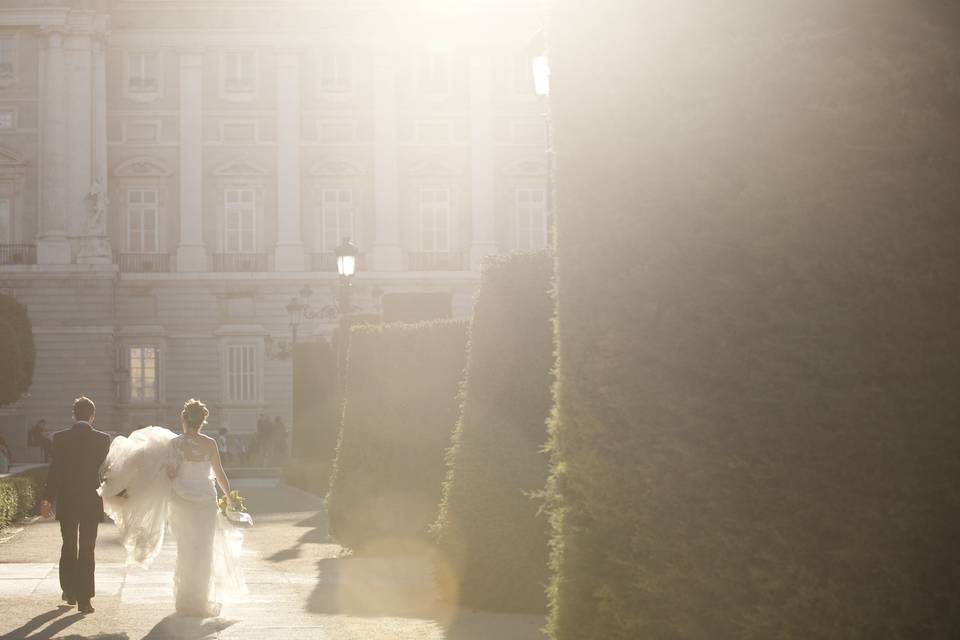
(289,254)
(191,252)
(53,247)
(387,254)
(92,166)
(483,242)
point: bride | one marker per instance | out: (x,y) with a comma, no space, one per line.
(154,477)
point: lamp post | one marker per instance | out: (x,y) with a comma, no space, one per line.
(346,254)
(295,310)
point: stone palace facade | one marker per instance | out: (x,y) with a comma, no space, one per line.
(172,172)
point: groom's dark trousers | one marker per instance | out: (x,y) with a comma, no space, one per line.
(72,483)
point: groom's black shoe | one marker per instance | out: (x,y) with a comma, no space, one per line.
(69,599)
(85,607)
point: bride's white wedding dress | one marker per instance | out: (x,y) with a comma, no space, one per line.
(208,546)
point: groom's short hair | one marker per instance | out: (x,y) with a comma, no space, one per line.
(83,408)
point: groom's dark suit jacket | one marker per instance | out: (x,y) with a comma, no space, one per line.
(74,474)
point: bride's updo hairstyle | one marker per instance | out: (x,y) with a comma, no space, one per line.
(194,414)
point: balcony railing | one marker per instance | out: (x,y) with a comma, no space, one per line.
(18,254)
(143,262)
(328,262)
(436,261)
(234,262)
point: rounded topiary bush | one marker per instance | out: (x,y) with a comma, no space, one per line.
(399,410)
(491,531)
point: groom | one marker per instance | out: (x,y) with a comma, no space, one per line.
(72,481)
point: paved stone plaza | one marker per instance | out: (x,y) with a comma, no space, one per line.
(300,586)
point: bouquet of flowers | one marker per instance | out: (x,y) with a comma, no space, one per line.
(233,509)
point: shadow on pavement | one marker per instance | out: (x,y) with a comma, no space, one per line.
(182,628)
(24,632)
(318,534)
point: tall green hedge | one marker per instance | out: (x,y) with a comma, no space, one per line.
(20,495)
(399,411)
(16,350)
(490,529)
(757,430)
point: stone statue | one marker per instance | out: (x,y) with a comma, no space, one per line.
(96,221)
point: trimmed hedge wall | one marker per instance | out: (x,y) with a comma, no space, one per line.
(416,306)
(400,408)
(316,414)
(758,423)
(490,528)
(21,494)
(16,350)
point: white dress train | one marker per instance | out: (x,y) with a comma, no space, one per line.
(208,546)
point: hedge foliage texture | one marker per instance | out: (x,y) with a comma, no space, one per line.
(20,495)
(399,411)
(490,529)
(16,350)
(757,431)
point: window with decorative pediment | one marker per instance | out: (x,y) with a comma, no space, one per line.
(8,118)
(238,71)
(143,72)
(335,72)
(242,372)
(433,72)
(143,363)
(240,220)
(8,57)
(434,219)
(6,221)
(143,220)
(531,217)
(337,216)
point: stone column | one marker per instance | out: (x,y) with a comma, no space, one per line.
(289,254)
(94,245)
(191,252)
(387,254)
(483,241)
(52,244)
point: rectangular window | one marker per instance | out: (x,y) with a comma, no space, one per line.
(142,132)
(8,56)
(240,213)
(531,214)
(434,75)
(336,216)
(143,220)
(8,119)
(144,365)
(335,73)
(434,231)
(336,132)
(433,132)
(242,373)
(143,72)
(238,132)
(238,72)
(6,222)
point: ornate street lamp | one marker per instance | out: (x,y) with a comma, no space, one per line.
(295,310)
(346,254)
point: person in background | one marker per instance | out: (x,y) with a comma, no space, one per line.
(40,438)
(221,439)
(279,440)
(5,457)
